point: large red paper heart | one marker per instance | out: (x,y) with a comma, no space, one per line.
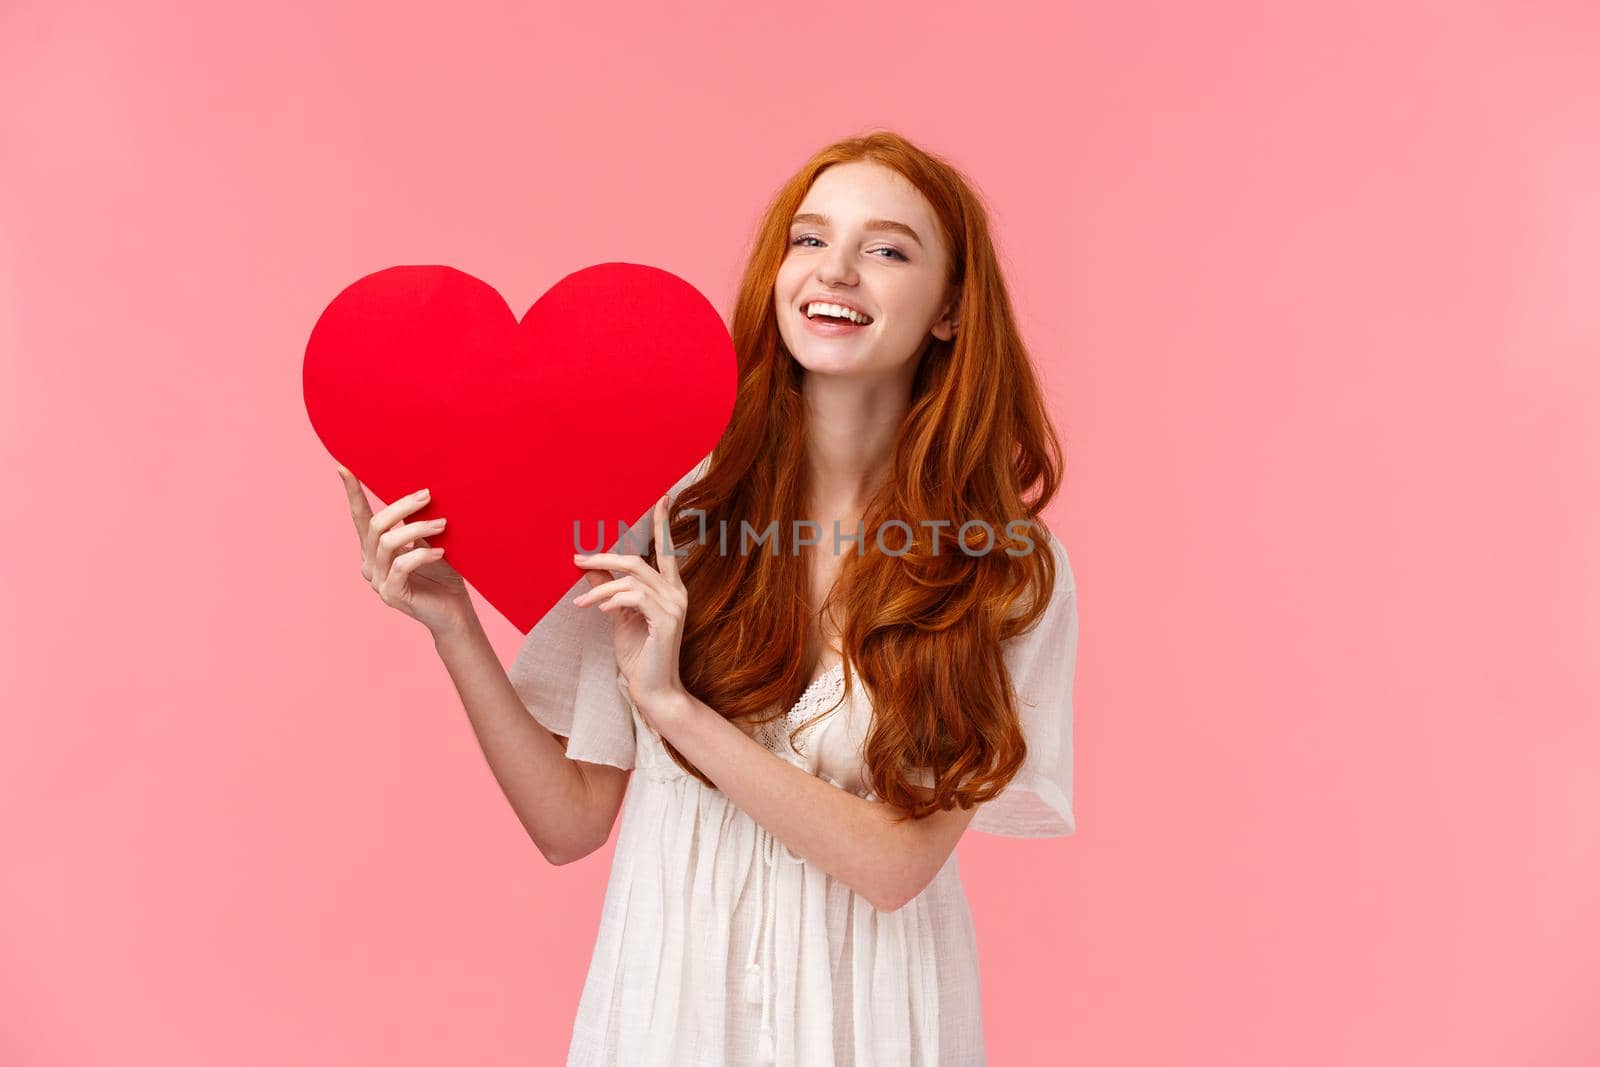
(615,384)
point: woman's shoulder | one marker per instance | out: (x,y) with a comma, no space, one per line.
(1066,582)
(1058,598)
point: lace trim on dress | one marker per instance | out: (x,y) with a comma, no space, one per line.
(823,688)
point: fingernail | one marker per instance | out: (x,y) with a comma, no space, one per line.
(422,495)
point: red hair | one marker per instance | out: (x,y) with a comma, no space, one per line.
(923,629)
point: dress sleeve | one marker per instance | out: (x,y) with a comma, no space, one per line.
(1042,661)
(566,674)
(566,670)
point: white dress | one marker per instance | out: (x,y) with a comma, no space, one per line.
(718,947)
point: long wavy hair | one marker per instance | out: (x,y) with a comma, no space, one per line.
(922,629)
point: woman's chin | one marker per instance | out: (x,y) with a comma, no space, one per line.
(813,362)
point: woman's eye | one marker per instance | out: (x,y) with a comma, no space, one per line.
(808,237)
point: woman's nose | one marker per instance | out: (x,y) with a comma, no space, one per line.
(835,268)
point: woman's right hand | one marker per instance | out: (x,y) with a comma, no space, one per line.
(415,580)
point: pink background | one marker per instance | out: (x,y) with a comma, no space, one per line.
(1315,295)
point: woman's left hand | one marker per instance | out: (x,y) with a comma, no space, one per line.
(648,607)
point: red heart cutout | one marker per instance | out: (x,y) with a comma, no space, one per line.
(613,386)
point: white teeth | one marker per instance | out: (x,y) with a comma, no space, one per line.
(813,310)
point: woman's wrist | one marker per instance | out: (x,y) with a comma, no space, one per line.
(464,630)
(669,710)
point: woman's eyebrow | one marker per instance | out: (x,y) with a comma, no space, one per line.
(814,219)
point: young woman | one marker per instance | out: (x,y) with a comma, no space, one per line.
(784,887)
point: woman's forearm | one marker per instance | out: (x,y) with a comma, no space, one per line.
(548,792)
(856,840)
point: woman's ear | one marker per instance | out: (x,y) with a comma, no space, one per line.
(945,328)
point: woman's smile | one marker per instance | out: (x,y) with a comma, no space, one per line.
(826,327)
